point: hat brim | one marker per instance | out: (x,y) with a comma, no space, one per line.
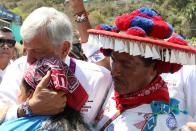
(144,46)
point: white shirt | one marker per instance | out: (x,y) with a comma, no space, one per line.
(135,118)
(92,52)
(182,85)
(95,79)
(2,72)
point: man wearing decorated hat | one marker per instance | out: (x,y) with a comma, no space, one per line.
(139,99)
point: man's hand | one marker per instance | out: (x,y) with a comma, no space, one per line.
(77,5)
(46,101)
(191,126)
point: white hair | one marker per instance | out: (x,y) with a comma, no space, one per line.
(49,22)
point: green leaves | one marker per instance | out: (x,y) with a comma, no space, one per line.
(180,13)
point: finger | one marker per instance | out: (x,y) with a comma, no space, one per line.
(61,93)
(191,125)
(64,99)
(49,91)
(44,82)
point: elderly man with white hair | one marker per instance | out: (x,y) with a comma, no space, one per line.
(47,32)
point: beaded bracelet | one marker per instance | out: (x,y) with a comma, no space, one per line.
(81,16)
(26,109)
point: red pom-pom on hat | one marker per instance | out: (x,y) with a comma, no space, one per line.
(161,30)
(137,31)
(123,22)
(98,27)
(177,39)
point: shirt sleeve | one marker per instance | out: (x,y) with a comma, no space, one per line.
(92,52)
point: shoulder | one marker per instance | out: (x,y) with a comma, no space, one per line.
(93,76)
(91,66)
(189,67)
(92,70)
(18,63)
(189,70)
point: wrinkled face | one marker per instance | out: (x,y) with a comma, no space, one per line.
(39,47)
(6,47)
(129,73)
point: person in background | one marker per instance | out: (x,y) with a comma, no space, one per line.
(77,52)
(90,50)
(139,99)
(117,57)
(15,54)
(47,32)
(61,79)
(7,45)
(18,51)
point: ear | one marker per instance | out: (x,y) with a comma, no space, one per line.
(66,48)
(153,72)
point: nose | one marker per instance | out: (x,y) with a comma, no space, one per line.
(4,46)
(116,69)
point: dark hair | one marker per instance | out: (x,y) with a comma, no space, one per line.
(26,86)
(77,52)
(70,119)
(148,61)
(75,121)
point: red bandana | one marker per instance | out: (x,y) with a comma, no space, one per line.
(156,91)
(62,78)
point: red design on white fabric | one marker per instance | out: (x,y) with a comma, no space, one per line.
(141,124)
(61,79)
(103,111)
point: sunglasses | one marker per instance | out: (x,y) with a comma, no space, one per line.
(10,43)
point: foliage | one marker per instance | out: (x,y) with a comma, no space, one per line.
(19,11)
(180,13)
(192,39)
